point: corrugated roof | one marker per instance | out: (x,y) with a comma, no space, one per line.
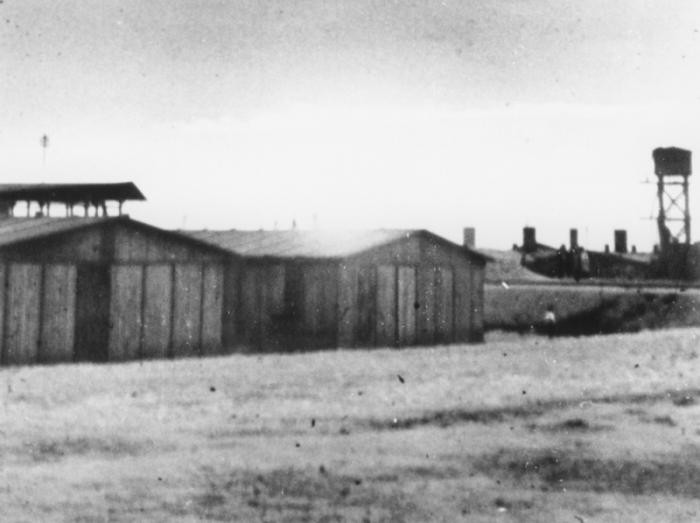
(309,244)
(70,192)
(15,230)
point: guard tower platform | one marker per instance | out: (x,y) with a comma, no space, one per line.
(91,198)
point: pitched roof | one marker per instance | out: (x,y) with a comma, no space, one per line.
(311,244)
(17,230)
(70,192)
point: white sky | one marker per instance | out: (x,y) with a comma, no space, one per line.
(495,114)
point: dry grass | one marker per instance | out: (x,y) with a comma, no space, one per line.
(527,429)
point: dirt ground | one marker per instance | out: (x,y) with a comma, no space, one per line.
(521,428)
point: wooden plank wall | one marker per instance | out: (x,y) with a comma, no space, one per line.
(477,327)
(125,313)
(272,308)
(398,305)
(312,289)
(3,295)
(65,312)
(444,304)
(133,245)
(406,307)
(312,301)
(283,306)
(230,331)
(92,301)
(22,313)
(212,303)
(347,305)
(58,313)
(365,333)
(291,320)
(463,304)
(248,313)
(187,314)
(329,306)
(425,298)
(157,309)
(386,318)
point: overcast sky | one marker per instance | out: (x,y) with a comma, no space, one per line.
(366,113)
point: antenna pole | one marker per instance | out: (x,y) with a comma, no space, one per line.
(44,141)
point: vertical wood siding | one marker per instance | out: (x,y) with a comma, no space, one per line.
(230,334)
(23,319)
(425,297)
(406,294)
(92,298)
(272,318)
(463,305)
(366,306)
(157,307)
(328,331)
(444,328)
(154,298)
(386,306)
(347,305)
(3,310)
(292,320)
(248,316)
(142,246)
(212,301)
(125,312)
(319,297)
(187,309)
(477,294)
(58,313)
(313,300)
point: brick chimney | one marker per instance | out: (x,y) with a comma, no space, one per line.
(573,238)
(529,239)
(620,241)
(469,237)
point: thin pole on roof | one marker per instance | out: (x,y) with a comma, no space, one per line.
(44,141)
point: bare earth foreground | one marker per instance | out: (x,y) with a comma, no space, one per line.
(519,429)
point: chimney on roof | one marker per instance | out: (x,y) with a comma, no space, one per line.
(469,237)
(573,239)
(529,240)
(621,241)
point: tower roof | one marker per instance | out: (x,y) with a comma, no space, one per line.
(669,161)
(70,192)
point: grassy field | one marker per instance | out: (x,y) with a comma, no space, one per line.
(520,428)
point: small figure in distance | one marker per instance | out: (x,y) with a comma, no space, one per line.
(550,321)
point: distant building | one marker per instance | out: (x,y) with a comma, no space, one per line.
(579,262)
(99,286)
(287,290)
(105,289)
